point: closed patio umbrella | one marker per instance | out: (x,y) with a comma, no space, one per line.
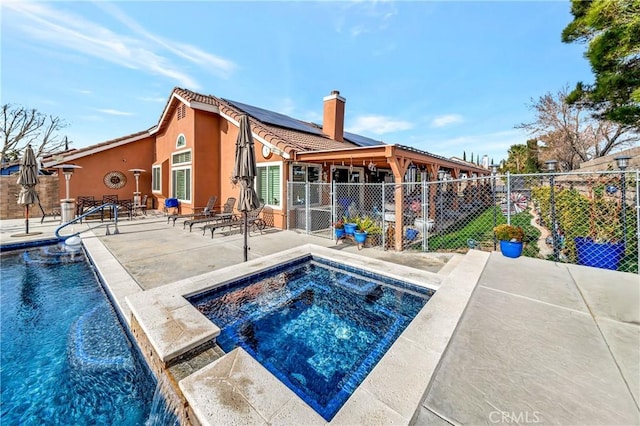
(245,173)
(28,179)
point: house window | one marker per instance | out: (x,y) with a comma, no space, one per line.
(181,141)
(181,184)
(183,157)
(181,176)
(156,178)
(268,184)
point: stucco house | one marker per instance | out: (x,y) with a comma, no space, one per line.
(189,155)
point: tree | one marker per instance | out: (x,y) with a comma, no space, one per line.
(464,155)
(517,160)
(611,28)
(571,135)
(533,163)
(21,126)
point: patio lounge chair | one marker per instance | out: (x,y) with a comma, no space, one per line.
(225,215)
(253,220)
(199,212)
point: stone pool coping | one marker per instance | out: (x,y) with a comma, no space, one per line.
(237,388)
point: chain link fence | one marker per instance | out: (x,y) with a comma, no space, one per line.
(584,218)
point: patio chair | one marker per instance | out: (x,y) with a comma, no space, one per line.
(55,211)
(142,207)
(199,212)
(253,220)
(226,214)
(111,198)
(84,202)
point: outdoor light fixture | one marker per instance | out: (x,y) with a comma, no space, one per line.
(67,207)
(67,170)
(551,168)
(623,163)
(136,195)
(494,169)
(441,174)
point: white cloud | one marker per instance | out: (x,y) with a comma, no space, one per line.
(157,99)
(91,117)
(111,111)
(445,120)
(149,53)
(84,91)
(494,144)
(378,125)
(191,53)
(285,106)
(357,30)
(371,16)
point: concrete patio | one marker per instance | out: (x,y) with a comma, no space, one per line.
(539,342)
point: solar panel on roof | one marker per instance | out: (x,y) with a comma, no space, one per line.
(361,140)
(275,118)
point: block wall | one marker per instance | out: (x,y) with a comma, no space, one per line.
(48,190)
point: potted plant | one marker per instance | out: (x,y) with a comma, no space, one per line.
(349,225)
(360,233)
(366,228)
(339,228)
(510,239)
(603,246)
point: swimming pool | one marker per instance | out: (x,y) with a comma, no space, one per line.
(65,357)
(316,325)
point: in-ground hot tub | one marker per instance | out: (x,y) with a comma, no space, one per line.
(239,388)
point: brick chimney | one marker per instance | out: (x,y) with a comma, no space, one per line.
(333,119)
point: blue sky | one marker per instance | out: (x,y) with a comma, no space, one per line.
(445,77)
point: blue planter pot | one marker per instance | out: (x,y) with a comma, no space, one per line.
(349,228)
(360,237)
(411,234)
(510,248)
(339,232)
(598,255)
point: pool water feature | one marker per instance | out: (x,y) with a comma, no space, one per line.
(316,325)
(65,357)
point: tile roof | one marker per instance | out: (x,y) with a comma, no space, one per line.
(286,139)
(134,136)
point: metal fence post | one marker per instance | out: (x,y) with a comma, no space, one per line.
(509,197)
(425,215)
(384,231)
(307,210)
(638,217)
(493,196)
(333,208)
(551,167)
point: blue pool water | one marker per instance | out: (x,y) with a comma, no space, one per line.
(64,357)
(316,326)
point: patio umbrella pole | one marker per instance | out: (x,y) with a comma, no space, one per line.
(26,220)
(246,246)
(244,172)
